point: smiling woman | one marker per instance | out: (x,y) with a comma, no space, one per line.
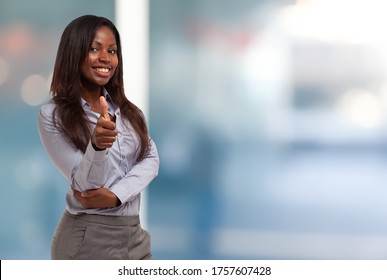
(99,141)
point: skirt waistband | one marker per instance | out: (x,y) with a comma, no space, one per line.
(106,220)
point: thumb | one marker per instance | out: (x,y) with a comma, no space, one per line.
(104,106)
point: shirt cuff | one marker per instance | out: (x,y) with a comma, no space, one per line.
(92,155)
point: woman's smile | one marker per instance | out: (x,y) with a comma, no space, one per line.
(103,71)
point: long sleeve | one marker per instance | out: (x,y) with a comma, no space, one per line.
(139,177)
(115,168)
(83,170)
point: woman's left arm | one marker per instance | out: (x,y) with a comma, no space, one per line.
(139,177)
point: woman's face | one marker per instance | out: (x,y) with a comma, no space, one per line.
(101,61)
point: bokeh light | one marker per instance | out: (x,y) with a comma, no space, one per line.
(34,90)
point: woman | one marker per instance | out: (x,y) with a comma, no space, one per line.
(99,141)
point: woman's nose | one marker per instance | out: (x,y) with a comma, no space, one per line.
(104,56)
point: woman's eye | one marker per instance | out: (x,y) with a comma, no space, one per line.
(93,49)
(112,51)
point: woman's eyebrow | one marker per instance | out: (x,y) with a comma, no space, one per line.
(100,44)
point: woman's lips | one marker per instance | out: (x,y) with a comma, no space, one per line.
(102,69)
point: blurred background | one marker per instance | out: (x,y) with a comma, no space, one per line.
(269,117)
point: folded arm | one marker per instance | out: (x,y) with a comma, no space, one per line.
(139,177)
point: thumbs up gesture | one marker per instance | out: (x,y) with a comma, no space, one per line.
(104,106)
(105,133)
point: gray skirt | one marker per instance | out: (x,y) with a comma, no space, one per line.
(97,237)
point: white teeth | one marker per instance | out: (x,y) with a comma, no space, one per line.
(104,70)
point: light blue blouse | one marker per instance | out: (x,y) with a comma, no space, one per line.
(114,168)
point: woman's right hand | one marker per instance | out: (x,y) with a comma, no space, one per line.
(97,198)
(105,132)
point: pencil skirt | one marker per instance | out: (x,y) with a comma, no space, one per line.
(98,237)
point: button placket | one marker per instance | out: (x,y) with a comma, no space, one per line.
(120,140)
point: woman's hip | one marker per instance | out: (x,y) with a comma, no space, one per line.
(100,237)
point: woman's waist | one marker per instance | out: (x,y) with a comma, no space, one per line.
(131,208)
(105,219)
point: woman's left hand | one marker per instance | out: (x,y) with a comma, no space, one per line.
(98,198)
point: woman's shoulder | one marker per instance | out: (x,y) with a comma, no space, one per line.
(47,109)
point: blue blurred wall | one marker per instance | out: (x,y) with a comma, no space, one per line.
(269,120)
